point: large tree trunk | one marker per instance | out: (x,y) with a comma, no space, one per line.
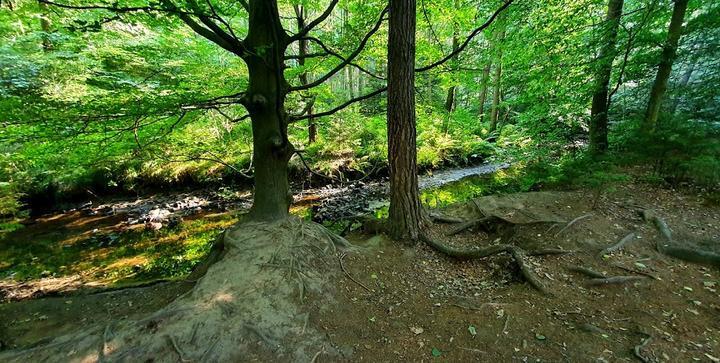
(302,55)
(599,109)
(264,100)
(495,110)
(406,213)
(483,90)
(666,61)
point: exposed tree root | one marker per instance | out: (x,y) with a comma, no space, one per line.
(587,272)
(571,223)
(517,253)
(442,218)
(618,246)
(246,306)
(470,224)
(638,349)
(680,250)
(615,280)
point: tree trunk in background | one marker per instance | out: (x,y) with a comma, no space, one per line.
(450,99)
(45,27)
(407,216)
(599,108)
(495,111)
(666,61)
(681,86)
(302,54)
(264,101)
(483,91)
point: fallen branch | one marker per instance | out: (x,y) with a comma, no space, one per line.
(615,280)
(348,274)
(636,271)
(570,224)
(618,246)
(550,251)
(517,253)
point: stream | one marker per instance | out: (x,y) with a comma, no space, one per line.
(329,203)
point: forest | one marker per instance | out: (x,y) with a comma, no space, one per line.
(359,180)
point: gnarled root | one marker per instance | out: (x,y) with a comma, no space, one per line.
(250,305)
(516,252)
(672,248)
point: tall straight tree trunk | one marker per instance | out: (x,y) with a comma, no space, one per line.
(666,61)
(45,27)
(264,100)
(407,216)
(302,55)
(483,91)
(495,110)
(599,108)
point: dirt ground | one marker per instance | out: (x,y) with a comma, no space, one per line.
(399,303)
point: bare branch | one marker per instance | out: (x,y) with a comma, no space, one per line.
(304,31)
(347,60)
(468,39)
(342,106)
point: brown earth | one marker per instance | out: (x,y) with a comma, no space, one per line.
(400,303)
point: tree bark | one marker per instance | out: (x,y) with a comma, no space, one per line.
(665,67)
(495,111)
(45,27)
(407,216)
(450,99)
(264,100)
(483,90)
(599,108)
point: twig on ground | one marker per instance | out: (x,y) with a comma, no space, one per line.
(636,271)
(570,224)
(615,280)
(348,274)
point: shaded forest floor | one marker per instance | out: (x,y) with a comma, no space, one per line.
(416,304)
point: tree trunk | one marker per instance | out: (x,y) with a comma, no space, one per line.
(264,101)
(450,99)
(666,61)
(483,91)
(495,110)
(682,85)
(406,213)
(599,108)
(45,27)
(302,55)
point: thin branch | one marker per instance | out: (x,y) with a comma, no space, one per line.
(349,59)
(468,39)
(331,52)
(342,106)
(304,31)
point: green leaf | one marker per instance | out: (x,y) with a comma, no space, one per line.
(436,352)
(472,330)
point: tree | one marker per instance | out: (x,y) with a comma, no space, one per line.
(600,99)
(302,56)
(484,87)
(407,216)
(667,58)
(497,79)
